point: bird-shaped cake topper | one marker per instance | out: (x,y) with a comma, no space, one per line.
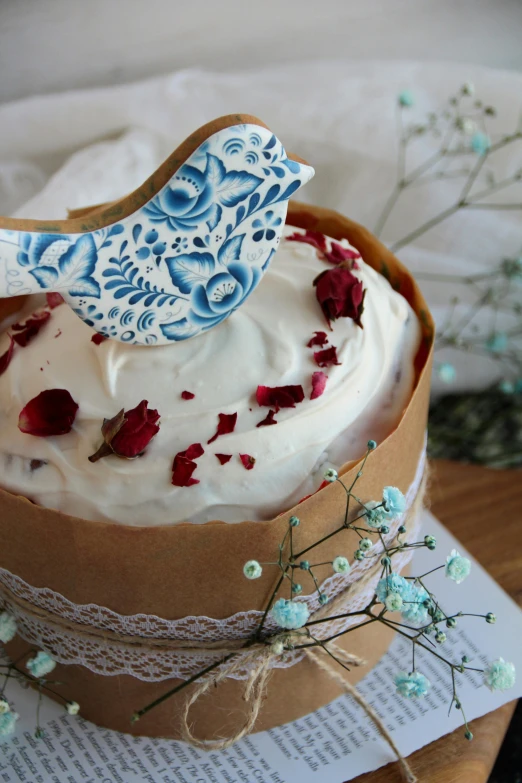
(179,254)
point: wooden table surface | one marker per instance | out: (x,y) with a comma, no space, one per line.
(483,509)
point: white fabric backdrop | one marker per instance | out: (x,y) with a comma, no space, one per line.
(84,147)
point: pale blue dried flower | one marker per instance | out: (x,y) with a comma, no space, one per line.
(414,610)
(480,143)
(394,501)
(446,372)
(7,627)
(412,685)
(497,342)
(406,99)
(375,514)
(500,675)
(457,567)
(393,602)
(41,664)
(392,583)
(507,387)
(8,723)
(290,614)
(252,569)
(341,565)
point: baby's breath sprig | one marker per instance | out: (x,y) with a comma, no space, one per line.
(424,622)
(463,148)
(38,665)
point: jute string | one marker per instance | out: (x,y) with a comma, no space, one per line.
(258,657)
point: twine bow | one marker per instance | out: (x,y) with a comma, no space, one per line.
(259,657)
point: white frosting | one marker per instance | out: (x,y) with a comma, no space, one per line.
(262,343)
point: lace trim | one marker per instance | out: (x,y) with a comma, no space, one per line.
(160,661)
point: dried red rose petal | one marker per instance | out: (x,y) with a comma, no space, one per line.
(248,461)
(54,300)
(128,433)
(224,458)
(226,424)
(318,384)
(269,419)
(279,396)
(338,254)
(314,238)
(30,328)
(182,470)
(52,412)
(98,339)
(319,338)
(186,395)
(193,452)
(5,359)
(340,294)
(327,357)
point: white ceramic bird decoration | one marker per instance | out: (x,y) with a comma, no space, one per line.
(179,254)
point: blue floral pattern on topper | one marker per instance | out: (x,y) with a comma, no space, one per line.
(184,261)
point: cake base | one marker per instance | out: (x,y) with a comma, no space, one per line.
(291,693)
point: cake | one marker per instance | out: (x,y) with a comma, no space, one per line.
(126,565)
(369,380)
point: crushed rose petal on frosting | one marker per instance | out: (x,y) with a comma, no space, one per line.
(314,238)
(340,294)
(226,424)
(279,396)
(184,466)
(193,452)
(318,384)
(224,458)
(327,357)
(182,470)
(29,329)
(248,461)
(186,395)
(319,338)
(128,433)
(98,339)
(54,300)
(269,419)
(6,357)
(338,254)
(52,412)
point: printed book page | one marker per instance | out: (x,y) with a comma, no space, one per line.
(334,744)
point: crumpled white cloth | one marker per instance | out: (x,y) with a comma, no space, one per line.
(89,146)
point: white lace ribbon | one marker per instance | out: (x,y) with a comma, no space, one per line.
(152,648)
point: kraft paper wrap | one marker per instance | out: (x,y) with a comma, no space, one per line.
(190,569)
